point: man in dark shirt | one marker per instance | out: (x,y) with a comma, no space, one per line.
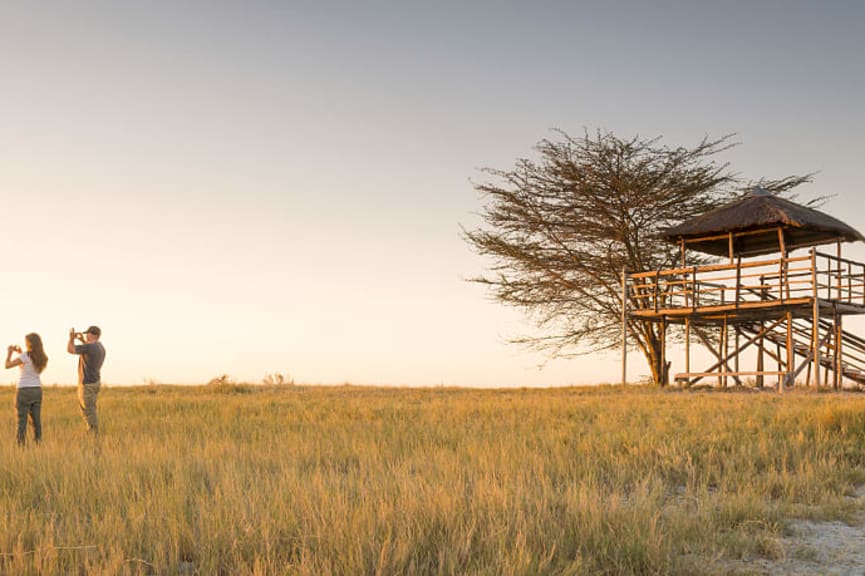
(91,354)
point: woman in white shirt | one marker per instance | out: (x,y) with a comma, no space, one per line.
(28,400)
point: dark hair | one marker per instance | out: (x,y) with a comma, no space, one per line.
(36,352)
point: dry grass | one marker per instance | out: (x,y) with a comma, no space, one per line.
(318,481)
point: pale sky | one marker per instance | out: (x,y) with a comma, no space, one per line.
(257,187)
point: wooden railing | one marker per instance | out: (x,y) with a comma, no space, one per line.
(814,275)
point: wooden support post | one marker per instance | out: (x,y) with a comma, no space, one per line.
(828,368)
(828,278)
(783,281)
(761,345)
(790,367)
(722,355)
(687,346)
(780,364)
(839,343)
(730,246)
(815,320)
(760,352)
(695,297)
(726,351)
(664,371)
(624,326)
(736,357)
(838,278)
(738,280)
(657,289)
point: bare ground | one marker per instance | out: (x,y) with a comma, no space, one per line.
(808,547)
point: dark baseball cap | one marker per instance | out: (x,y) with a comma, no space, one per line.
(94,330)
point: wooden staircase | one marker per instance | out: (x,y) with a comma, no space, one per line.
(852,349)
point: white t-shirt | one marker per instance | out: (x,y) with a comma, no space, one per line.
(29,376)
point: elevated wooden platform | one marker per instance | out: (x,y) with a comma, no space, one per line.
(794,305)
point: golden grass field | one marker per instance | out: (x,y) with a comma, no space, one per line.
(352,480)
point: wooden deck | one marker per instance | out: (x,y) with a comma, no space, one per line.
(786,308)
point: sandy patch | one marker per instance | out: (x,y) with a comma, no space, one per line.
(810,547)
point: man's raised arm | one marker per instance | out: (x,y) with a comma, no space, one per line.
(70,346)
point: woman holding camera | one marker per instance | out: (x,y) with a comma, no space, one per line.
(28,399)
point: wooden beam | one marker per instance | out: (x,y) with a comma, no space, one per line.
(742,234)
(701,375)
(716,267)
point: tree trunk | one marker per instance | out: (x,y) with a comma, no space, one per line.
(654,355)
(660,371)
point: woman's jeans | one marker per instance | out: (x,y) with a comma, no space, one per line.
(28,403)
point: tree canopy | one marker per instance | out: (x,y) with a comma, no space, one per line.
(559,231)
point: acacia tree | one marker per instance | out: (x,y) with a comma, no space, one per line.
(561,229)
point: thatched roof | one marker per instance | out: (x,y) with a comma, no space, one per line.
(754,220)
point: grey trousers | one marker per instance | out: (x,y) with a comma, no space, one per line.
(87,394)
(28,404)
